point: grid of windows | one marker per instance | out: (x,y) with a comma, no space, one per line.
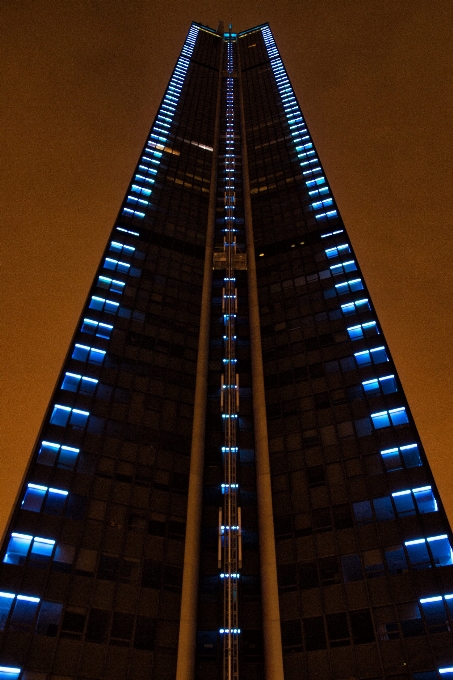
(95,549)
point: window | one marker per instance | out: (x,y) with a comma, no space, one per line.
(72,382)
(352,568)
(378,355)
(98,624)
(73,623)
(6,602)
(362,627)
(356,307)
(88,354)
(338,629)
(65,456)
(116,265)
(122,626)
(102,305)
(21,545)
(422,498)
(133,213)
(329,571)
(396,416)
(373,563)
(100,330)
(38,497)
(144,633)
(126,231)
(49,618)
(362,512)
(139,190)
(140,202)
(364,330)
(343,268)
(349,286)
(338,250)
(384,385)
(435,613)
(425,551)
(112,285)
(399,457)
(395,559)
(9,673)
(121,249)
(63,415)
(315,637)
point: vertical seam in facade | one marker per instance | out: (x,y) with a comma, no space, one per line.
(188,629)
(268,564)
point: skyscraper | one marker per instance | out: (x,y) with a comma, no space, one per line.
(228,481)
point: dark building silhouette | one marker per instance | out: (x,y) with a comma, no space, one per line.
(228,481)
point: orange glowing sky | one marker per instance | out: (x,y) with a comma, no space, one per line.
(83,82)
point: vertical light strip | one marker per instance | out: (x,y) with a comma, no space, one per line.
(160,132)
(303,143)
(229,529)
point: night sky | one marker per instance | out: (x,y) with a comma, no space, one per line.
(83,83)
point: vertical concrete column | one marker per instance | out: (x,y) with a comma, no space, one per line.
(185,669)
(271,612)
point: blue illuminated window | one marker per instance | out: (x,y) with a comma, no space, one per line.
(100,330)
(343,268)
(364,330)
(435,615)
(421,498)
(314,182)
(65,456)
(423,553)
(399,457)
(337,250)
(24,613)
(372,356)
(446,672)
(116,265)
(22,545)
(133,213)
(103,305)
(73,382)
(38,497)
(6,602)
(395,416)
(63,415)
(9,672)
(348,287)
(88,354)
(356,307)
(384,385)
(121,249)
(140,190)
(322,204)
(112,285)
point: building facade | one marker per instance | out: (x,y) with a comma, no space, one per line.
(228,482)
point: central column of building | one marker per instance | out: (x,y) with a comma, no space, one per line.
(268,565)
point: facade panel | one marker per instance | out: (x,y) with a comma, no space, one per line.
(228,481)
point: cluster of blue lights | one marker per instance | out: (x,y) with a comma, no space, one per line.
(160,131)
(303,143)
(229,630)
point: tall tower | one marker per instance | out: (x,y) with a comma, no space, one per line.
(228,482)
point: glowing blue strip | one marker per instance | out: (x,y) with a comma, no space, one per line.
(160,131)
(9,669)
(28,599)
